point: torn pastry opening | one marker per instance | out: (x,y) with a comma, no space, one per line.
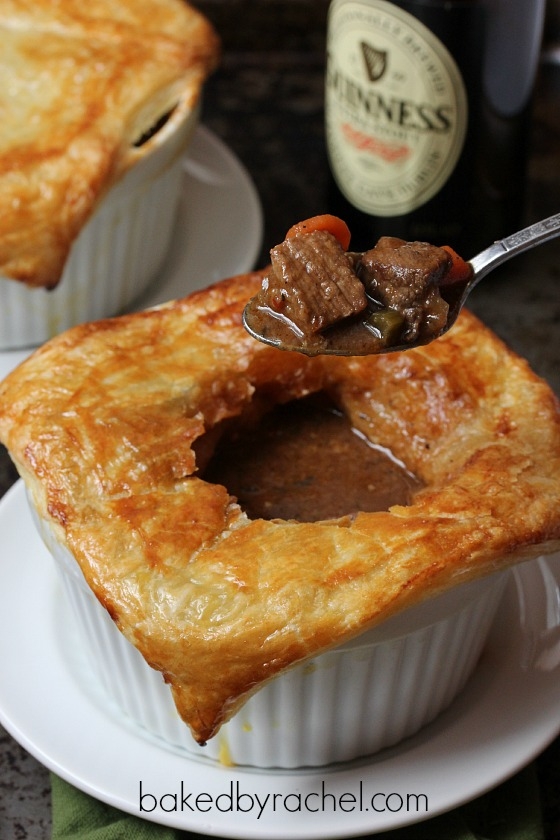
(152,129)
(304,461)
(157,118)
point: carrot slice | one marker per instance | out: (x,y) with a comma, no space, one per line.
(332,224)
(459,270)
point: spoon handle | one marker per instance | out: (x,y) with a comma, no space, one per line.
(517,243)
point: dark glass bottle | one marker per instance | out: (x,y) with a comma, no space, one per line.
(417,148)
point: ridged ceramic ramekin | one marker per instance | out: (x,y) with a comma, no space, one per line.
(118,252)
(348,703)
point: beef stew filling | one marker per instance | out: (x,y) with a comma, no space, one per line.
(318,298)
(305,462)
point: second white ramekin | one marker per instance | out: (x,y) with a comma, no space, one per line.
(118,252)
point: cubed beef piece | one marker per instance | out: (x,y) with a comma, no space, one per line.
(404,276)
(312,282)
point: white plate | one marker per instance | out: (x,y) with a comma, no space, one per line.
(509,712)
(218,232)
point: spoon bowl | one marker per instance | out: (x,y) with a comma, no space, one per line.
(277,331)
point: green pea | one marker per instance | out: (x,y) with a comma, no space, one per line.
(387,324)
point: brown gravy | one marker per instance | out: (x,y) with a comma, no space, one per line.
(305,462)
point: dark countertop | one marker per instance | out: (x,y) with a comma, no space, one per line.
(266,103)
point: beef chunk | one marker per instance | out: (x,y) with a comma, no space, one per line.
(312,282)
(404,276)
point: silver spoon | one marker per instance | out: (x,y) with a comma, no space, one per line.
(362,341)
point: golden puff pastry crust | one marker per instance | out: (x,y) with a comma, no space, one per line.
(79,85)
(105,424)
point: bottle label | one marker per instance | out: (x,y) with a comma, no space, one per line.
(395,107)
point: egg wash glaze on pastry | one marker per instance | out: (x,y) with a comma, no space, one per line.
(105,424)
(80,85)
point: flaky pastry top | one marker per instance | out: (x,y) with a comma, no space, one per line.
(106,424)
(79,85)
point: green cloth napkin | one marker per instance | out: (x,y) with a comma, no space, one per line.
(509,812)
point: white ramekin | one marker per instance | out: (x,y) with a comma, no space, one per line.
(118,252)
(345,704)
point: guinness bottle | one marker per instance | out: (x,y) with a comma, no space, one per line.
(421,142)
